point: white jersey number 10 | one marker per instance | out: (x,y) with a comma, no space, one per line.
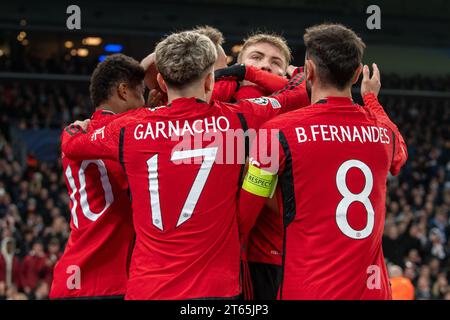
(84,204)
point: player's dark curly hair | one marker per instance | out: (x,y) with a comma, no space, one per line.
(115,69)
(337,52)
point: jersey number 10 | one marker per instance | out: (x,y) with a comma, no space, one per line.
(84,204)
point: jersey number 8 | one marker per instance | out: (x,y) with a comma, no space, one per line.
(349,198)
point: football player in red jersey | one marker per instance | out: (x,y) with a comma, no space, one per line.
(270,56)
(158,98)
(262,75)
(332,164)
(96,259)
(217,38)
(267,58)
(187,245)
(263,246)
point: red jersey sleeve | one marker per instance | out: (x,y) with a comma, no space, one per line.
(100,143)
(270,82)
(400,152)
(224,90)
(266,154)
(294,99)
(260,110)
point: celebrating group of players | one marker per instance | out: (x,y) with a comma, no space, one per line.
(258,181)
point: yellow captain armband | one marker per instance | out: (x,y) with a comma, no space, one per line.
(260,182)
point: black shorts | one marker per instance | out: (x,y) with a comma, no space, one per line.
(266,279)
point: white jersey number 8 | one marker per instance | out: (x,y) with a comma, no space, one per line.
(349,198)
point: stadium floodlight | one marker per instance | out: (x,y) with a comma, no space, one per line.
(113,48)
(92,41)
(82,52)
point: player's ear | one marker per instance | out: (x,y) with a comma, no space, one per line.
(310,69)
(209,82)
(357,73)
(122,90)
(161,82)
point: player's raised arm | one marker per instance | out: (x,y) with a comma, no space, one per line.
(294,95)
(258,186)
(227,80)
(224,89)
(260,110)
(270,82)
(79,144)
(266,162)
(370,87)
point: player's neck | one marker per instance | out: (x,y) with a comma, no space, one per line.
(106,107)
(191,92)
(323,93)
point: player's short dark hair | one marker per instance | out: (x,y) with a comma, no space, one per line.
(115,69)
(212,33)
(337,52)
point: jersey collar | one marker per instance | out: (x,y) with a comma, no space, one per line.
(98,114)
(183,107)
(181,102)
(336,101)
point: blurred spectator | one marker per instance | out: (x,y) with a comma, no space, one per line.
(2,290)
(402,287)
(34,268)
(13,294)
(440,287)
(42,290)
(423,289)
(435,246)
(54,253)
(10,266)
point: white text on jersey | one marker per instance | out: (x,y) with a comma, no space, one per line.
(167,129)
(362,134)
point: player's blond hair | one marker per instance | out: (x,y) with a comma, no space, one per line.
(184,57)
(273,39)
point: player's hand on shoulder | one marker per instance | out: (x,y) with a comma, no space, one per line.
(370,84)
(81,124)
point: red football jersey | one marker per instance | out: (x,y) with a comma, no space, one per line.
(334,159)
(96,258)
(264,83)
(264,243)
(176,159)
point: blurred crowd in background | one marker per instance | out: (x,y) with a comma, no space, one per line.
(34,204)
